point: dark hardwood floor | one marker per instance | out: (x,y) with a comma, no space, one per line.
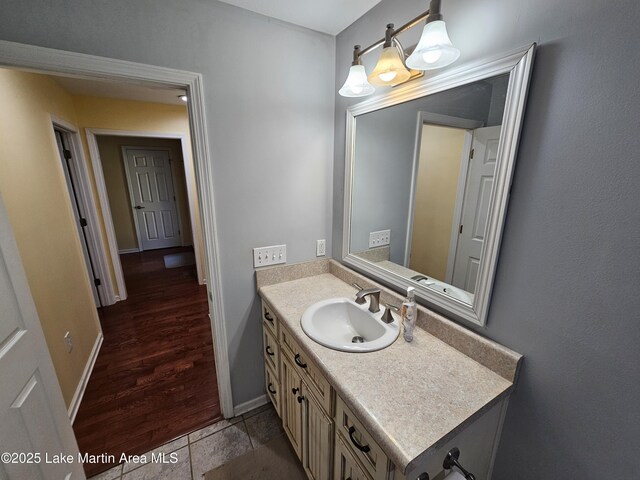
(154,378)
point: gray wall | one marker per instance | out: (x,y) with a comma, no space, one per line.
(565,292)
(382,176)
(270,103)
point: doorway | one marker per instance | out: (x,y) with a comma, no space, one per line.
(155,378)
(53,62)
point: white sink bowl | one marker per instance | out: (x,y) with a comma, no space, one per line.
(336,323)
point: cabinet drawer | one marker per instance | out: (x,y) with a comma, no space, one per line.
(273,388)
(345,466)
(361,444)
(271,352)
(269,320)
(309,372)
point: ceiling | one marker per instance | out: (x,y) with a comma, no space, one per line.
(126,91)
(327,16)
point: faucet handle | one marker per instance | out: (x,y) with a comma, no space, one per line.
(386,316)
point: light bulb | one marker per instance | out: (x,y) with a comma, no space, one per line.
(387,76)
(432,56)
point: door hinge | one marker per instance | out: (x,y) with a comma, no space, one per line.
(473,150)
(67,154)
(97,282)
(461,227)
(83,222)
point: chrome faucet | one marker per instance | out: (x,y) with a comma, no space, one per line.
(374,297)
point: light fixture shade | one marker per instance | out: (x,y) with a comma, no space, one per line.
(356,84)
(390,69)
(434,50)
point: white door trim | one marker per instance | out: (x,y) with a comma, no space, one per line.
(96,243)
(48,60)
(107,219)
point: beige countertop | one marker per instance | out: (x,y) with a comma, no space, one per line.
(411,397)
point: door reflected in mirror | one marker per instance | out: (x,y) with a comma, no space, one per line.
(423,176)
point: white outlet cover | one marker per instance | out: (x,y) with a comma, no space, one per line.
(321,248)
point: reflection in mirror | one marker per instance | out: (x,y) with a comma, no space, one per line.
(422,182)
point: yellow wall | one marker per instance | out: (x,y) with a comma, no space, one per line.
(436,187)
(134,116)
(116,181)
(33,187)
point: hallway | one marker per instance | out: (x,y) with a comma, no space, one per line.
(154,379)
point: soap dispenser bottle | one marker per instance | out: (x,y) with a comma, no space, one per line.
(409,313)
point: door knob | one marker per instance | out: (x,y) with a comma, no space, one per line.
(138,207)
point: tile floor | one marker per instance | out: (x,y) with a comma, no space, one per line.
(195,454)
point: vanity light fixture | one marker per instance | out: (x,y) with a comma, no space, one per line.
(434,50)
(184,98)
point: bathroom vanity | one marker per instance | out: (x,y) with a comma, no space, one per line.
(384,415)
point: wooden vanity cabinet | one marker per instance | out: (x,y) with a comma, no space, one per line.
(340,448)
(303,398)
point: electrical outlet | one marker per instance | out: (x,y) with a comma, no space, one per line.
(264,256)
(68,342)
(321,248)
(380,238)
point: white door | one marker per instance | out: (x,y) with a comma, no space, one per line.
(475,207)
(34,424)
(154,202)
(79,211)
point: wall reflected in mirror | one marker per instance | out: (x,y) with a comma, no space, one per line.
(422,183)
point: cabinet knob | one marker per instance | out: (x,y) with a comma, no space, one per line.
(271,389)
(295,390)
(267,316)
(300,399)
(269,351)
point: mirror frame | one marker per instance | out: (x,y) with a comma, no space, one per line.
(519,65)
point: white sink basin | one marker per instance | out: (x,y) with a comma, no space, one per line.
(342,324)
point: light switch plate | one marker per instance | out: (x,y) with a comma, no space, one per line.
(265,256)
(379,238)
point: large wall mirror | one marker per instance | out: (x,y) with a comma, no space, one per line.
(428,172)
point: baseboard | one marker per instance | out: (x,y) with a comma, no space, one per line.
(124,251)
(84,380)
(250,405)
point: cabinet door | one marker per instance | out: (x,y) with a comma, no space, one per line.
(318,438)
(346,467)
(291,407)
